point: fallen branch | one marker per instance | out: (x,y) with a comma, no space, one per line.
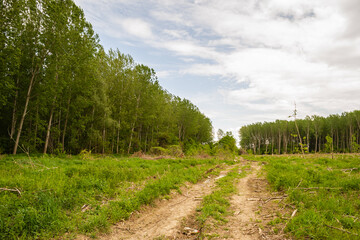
(11,190)
(326,188)
(348,170)
(274,198)
(288,205)
(40,170)
(211,169)
(340,229)
(292,215)
(253,199)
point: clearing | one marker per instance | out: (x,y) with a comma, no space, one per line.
(251,212)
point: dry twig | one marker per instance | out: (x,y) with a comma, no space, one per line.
(326,188)
(292,215)
(340,229)
(11,190)
(274,198)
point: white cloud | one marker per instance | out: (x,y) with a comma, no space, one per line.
(136,27)
(279,51)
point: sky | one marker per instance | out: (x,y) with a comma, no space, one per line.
(242,61)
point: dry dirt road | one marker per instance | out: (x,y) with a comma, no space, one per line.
(253,207)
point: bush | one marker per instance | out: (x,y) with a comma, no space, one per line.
(85,154)
(175,150)
(159,151)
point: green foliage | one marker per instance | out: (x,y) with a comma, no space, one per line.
(159,151)
(175,150)
(329,144)
(228,142)
(354,145)
(324,190)
(282,136)
(60,92)
(71,195)
(215,205)
(85,154)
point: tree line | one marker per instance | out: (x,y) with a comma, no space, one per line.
(335,133)
(60,91)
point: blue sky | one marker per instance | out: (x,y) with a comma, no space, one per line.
(242,61)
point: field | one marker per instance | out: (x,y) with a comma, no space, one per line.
(324,191)
(46,197)
(311,197)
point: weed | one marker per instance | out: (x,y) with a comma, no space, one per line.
(215,205)
(84,194)
(324,190)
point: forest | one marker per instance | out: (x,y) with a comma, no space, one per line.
(335,133)
(61,92)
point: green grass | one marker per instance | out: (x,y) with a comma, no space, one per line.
(216,205)
(61,197)
(333,199)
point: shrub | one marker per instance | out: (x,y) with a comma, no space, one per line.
(175,150)
(159,151)
(85,154)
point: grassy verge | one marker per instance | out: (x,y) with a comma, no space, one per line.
(215,206)
(325,192)
(51,197)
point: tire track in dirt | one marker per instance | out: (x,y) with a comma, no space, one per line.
(252,209)
(164,220)
(244,204)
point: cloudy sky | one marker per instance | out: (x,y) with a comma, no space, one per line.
(242,61)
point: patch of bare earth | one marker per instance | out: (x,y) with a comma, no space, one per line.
(163,220)
(256,213)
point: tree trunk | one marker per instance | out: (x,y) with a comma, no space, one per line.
(65,124)
(279,145)
(308,139)
(254,146)
(131,136)
(118,138)
(266,147)
(51,112)
(140,131)
(286,140)
(28,95)
(104,136)
(14,117)
(91,126)
(350,138)
(59,127)
(36,125)
(301,144)
(146,136)
(112,139)
(133,127)
(49,126)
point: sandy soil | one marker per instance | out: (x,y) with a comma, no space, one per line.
(253,209)
(164,220)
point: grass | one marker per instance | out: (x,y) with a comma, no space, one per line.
(216,205)
(60,197)
(324,190)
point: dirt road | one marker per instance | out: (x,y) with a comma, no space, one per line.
(165,219)
(253,208)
